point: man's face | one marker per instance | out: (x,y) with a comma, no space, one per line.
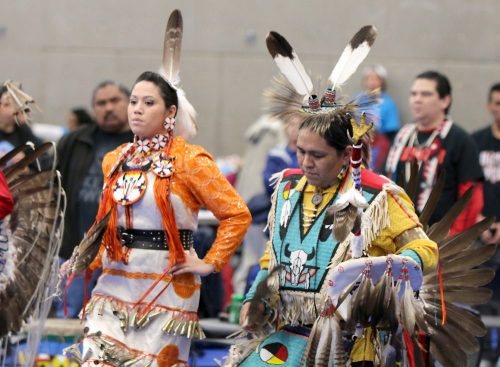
(7,110)
(110,109)
(427,108)
(494,107)
(320,162)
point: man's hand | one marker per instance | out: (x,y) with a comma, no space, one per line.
(492,235)
(244,319)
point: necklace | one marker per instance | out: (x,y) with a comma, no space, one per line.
(317,197)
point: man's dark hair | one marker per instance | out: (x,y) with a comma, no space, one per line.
(443,85)
(82,116)
(123,89)
(494,88)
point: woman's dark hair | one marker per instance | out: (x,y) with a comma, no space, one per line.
(82,116)
(167,92)
(333,127)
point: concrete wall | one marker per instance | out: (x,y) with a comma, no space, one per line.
(60,49)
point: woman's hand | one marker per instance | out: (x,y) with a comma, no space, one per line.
(193,264)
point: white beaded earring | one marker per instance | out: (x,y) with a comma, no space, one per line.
(169,123)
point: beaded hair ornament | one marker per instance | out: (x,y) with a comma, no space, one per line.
(293,94)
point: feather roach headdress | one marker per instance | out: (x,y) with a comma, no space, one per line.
(294,92)
(186,114)
(22,101)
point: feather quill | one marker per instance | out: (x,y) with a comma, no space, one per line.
(172,48)
(354,53)
(289,64)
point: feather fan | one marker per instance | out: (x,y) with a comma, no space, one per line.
(32,235)
(88,248)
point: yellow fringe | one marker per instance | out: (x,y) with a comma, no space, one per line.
(376,217)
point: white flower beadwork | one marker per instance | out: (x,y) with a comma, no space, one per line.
(169,123)
(159,141)
(143,145)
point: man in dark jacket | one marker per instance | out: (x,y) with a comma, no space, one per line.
(80,156)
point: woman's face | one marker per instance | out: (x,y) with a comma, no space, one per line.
(147,110)
(7,110)
(320,162)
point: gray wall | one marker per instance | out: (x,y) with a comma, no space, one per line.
(60,49)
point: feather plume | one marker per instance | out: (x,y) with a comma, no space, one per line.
(456,335)
(467,295)
(463,240)
(344,212)
(381,299)
(470,258)
(468,278)
(186,120)
(4,160)
(343,222)
(457,316)
(172,48)
(289,64)
(13,171)
(441,229)
(433,199)
(282,101)
(354,53)
(412,184)
(447,353)
(361,308)
(407,310)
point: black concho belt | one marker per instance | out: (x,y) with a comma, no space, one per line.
(152,239)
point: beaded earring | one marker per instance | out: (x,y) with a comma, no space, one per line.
(342,172)
(169,123)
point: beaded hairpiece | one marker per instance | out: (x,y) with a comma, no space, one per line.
(294,93)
